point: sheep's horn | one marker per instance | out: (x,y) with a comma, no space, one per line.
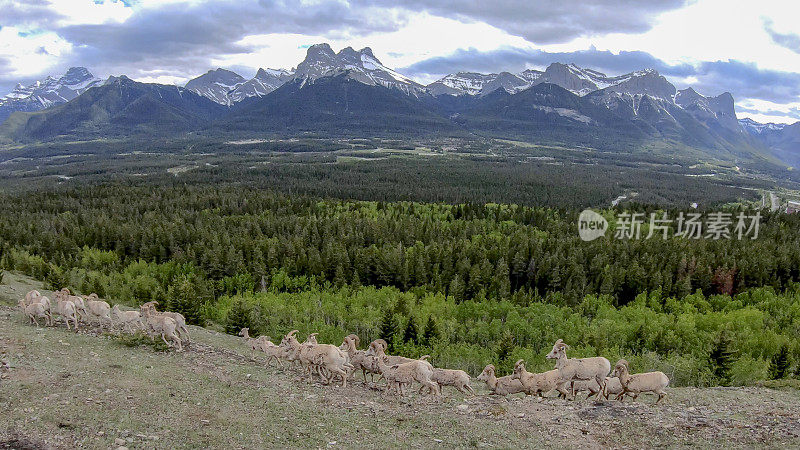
(521,361)
(560,341)
(424,357)
(292,333)
(313,334)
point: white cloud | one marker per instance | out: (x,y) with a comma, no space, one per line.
(30,52)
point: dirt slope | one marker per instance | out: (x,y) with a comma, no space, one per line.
(65,390)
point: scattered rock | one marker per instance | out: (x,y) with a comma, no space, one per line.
(462,408)
(119,441)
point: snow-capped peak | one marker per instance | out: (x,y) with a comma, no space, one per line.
(754,127)
(51,90)
(361,65)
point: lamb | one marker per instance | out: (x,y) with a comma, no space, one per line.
(162,325)
(35,310)
(182,330)
(401,375)
(127,319)
(539,383)
(273,351)
(500,386)
(66,309)
(571,369)
(655,382)
(254,343)
(451,377)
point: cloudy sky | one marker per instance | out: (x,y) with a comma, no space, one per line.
(749,48)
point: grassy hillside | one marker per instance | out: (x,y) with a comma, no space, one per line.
(67,390)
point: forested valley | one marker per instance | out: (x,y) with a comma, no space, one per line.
(468,283)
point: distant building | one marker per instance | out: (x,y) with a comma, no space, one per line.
(793,207)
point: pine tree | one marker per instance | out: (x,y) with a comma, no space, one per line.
(388,329)
(504,350)
(238,318)
(431,332)
(722,357)
(779,364)
(411,334)
(183,298)
(456,289)
(505,346)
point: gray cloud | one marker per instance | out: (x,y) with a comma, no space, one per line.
(547,21)
(181,39)
(787,40)
(34,13)
(516,59)
(743,80)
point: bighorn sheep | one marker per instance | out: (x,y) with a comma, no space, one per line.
(35,310)
(323,356)
(539,383)
(655,382)
(98,308)
(254,343)
(66,309)
(378,347)
(402,375)
(80,306)
(571,369)
(358,358)
(500,386)
(31,296)
(162,325)
(452,377)
(129,320)
(612,387)
(272,351)
(182,330)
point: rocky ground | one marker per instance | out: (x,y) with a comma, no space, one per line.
(60,389)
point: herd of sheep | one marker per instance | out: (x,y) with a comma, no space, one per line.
(569,377)
(76,309)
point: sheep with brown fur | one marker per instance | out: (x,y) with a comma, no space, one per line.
(572,369)
(500,386)
(655,382)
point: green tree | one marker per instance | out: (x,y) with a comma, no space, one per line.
(183,298)
(722,357)
(504,349)
(389,328)
(779,363)
(411,335)
(456,289)
(431,332)
(238,318)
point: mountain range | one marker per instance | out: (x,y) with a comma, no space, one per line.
(352,93)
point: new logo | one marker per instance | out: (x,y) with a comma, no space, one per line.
(591,225)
